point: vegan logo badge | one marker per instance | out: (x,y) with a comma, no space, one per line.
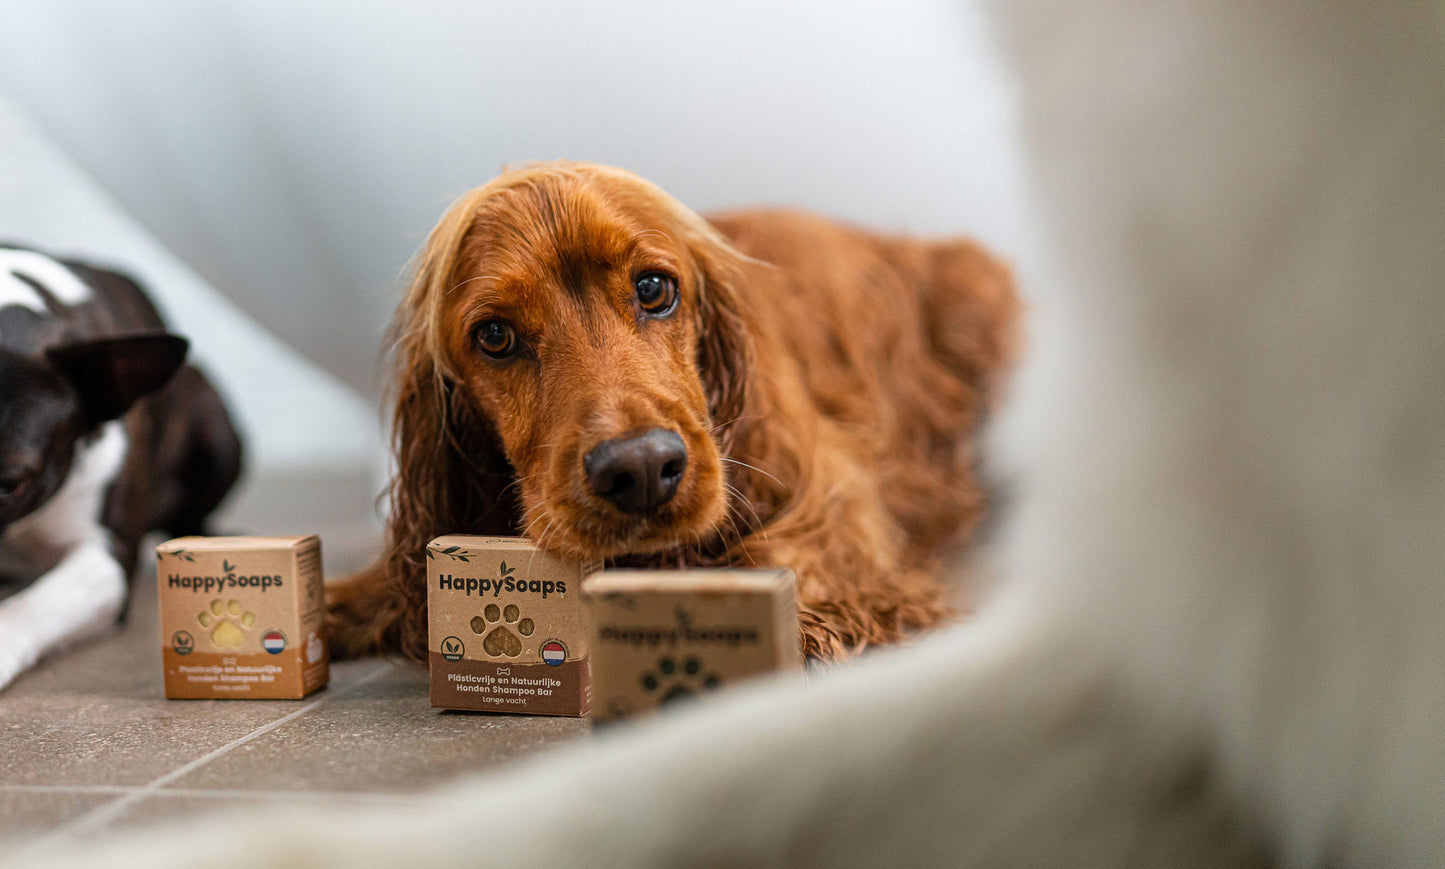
(273,642)
(452,649)
(182,642)
(554,653)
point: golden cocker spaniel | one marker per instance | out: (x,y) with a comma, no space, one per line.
(583,359)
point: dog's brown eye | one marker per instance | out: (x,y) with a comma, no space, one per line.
(11,485)
(656,293)
(497,339)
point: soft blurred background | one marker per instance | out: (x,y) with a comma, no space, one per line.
(268,168)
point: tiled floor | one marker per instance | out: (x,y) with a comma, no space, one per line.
(89,744)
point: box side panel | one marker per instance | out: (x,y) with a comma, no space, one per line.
(311,619)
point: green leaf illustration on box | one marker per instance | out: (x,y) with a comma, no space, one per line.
(453,552)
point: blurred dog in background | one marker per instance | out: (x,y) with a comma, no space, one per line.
(105,435)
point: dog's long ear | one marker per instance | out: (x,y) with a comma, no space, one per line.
(451,474)
(725,350)
(451,478)
(111,374)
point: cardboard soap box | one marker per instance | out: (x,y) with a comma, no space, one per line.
(241,617)
(663,635)
(506,628)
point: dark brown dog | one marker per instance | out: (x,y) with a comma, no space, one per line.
(105,435)
(584,360)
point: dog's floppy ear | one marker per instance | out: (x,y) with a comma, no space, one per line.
(111,374)
(451,477)
(725,350)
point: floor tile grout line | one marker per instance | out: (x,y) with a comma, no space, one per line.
(68,789)
(230,793)
(107,812)
(264,729)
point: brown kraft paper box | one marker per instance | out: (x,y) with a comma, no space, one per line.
(661,635)
(506,629)
(241,617)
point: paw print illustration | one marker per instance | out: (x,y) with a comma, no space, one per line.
(501,641)
(227,621)
(666,682)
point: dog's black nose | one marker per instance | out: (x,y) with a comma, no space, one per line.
(637,474)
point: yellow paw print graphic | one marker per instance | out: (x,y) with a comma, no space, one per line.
(501,641)
(223,619)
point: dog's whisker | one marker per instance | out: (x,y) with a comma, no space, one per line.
(757,520)
(545,532)
(737,534)
(533,556)
(518,482)
(527,531)
(722,532)
(734,421)
(753,467)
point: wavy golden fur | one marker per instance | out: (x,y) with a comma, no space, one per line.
(825,381)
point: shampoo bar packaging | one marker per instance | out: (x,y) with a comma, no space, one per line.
(506,629)
(241,617)
(665,635)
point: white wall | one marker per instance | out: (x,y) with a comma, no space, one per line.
(314,456)
(296,417)
(295,153)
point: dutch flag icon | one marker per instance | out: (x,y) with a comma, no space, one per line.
(553,652)
(273,642)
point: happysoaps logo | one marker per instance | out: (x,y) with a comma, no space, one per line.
(684,633)
(482,587)
(230,577)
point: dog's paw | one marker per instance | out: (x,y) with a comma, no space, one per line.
(228,622)
(668,682)
(14,660)
(818,639)
(501,642)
